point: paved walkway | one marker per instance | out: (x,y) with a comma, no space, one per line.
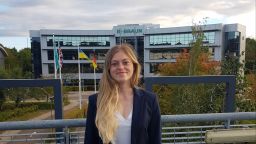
(74,102)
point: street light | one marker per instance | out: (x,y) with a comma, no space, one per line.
(51,99)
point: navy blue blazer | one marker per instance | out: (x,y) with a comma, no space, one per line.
(146,119)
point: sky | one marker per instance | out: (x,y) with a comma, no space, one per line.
(17,17)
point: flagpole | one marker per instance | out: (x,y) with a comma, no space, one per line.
(60,65)
(94,67)
(55,69)
(79,77)
(94,80)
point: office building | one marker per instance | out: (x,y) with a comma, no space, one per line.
(154,45)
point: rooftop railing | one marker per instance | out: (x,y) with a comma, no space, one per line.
(189,128)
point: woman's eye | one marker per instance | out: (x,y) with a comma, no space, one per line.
(126,63)
(114,64)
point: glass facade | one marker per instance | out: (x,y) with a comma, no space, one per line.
(86,41)
(72,54)
(179,39)
(73,68)
(164,54)
(36,56)
(153,67)
(232,42)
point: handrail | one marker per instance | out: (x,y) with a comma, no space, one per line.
(209,117)
(43,124)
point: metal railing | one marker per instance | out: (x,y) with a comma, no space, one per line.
(189,128)
(229,80)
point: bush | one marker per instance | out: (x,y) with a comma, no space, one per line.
(2,99)
(8,114)
(40,105)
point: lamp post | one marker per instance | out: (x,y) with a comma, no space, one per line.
(51,99)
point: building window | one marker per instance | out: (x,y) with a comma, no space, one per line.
(86,41)
(164,54)
(51,68)
(232,43)
(179,39)
(50,54)
(153,67)
(69,68)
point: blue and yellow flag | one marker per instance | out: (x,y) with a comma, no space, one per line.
(82,55)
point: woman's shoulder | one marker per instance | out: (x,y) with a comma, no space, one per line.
(147,94)
(93,98)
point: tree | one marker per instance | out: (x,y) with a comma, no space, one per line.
(250,56)
(12,60)
(24,57)
(179,68)
(196,48)
(2,99)
(184,99)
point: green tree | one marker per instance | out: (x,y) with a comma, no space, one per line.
(12,60)
(250,56)
(184,99)
(24,57)
(197,47)
(2,99)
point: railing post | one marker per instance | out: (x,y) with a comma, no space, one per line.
(227,124)
(66,134)
(230,95)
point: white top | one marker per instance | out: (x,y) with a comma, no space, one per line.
(123,133)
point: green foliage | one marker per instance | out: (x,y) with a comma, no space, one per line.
(75,113)
(245,105)
(196,48)
(12,60)
(24,56)
(8,114)
(18,64)
(2,99)
(9,110)
(70,88)
(17,95)
(189,99)
(250,56)
(3,74)
(232,66)
(40,105)
(22,94)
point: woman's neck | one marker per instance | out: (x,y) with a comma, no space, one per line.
(125,91)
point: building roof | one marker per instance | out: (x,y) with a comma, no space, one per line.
(3,51)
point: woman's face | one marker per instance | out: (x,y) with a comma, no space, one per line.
(121,68)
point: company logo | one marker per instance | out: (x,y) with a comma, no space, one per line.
(120,31)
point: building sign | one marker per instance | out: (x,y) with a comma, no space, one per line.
(133,29)
(125,31)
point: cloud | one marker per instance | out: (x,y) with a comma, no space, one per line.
(20,16)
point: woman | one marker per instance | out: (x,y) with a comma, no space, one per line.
(121,113)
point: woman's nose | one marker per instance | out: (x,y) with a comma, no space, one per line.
(120,66)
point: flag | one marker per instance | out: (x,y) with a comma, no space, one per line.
(56,58)
(94,63)
(82,55)
(60,57)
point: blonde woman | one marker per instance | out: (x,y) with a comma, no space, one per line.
(121,113)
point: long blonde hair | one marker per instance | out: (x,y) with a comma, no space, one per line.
(107,100)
